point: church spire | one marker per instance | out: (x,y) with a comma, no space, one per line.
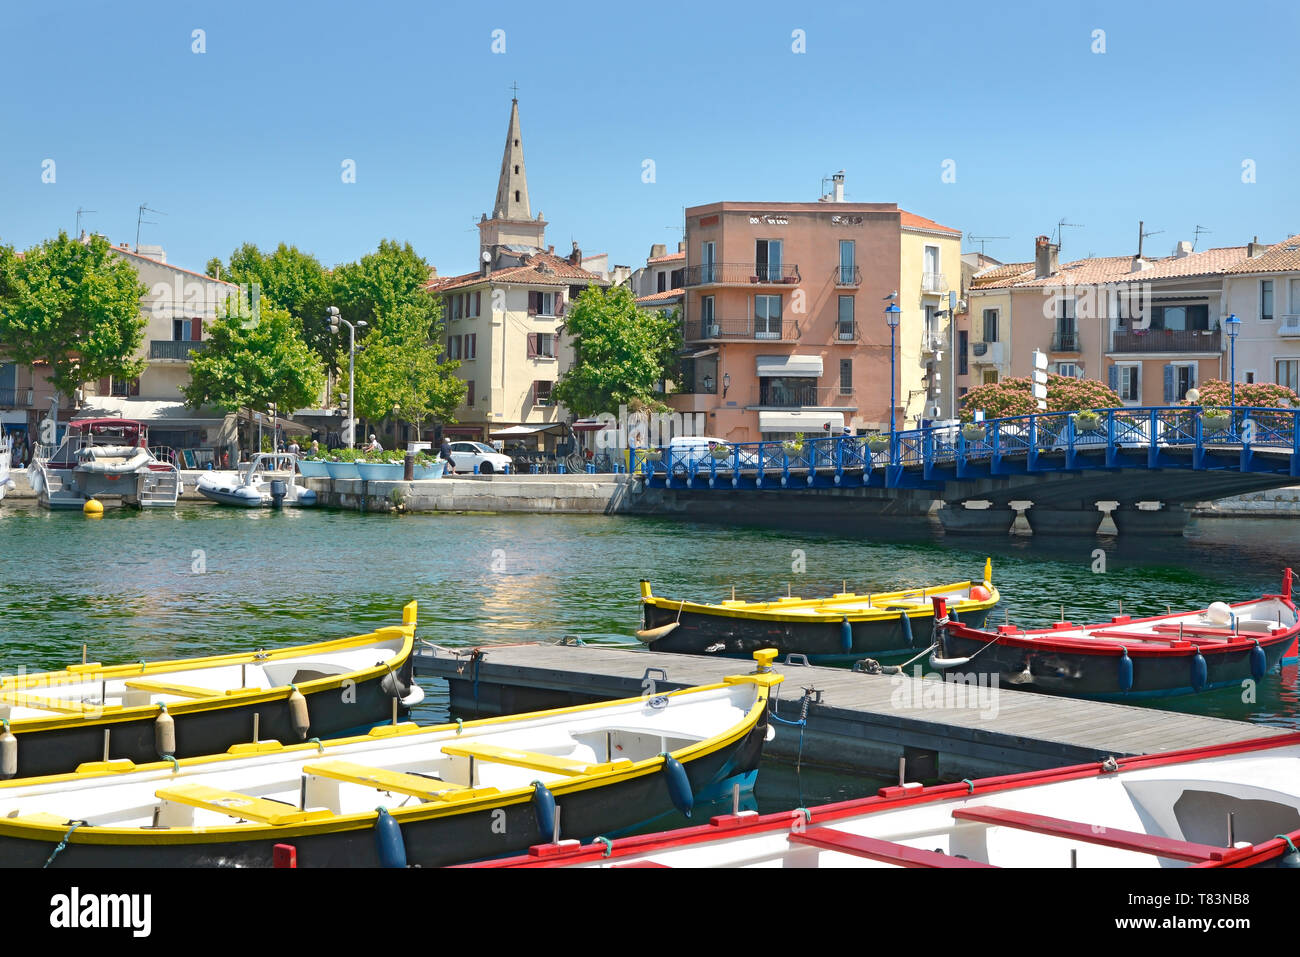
(512,187)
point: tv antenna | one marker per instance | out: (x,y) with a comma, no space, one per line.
(1196,236)
(972,238)
(1143,235)
(139,220)
(1059,226)
(80,212)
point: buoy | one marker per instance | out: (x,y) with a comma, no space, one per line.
(94,508)
(544,809)
(679,785)
(1258,662)
(388,840)
(8,754)
(1125,671)
(298,712)
(846,636)
(1219,612)
(164,733)
(952,615)
(1292,857)
(654,634)
(907,628)
(980,593)
(1199,673)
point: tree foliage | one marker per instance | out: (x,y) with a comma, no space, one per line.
(291,279)
(1015,396)
(255,365)
(621,352)
(74,305)
(1260,395)
(377,287)
(400,372)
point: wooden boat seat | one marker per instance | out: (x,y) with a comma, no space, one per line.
(1168,847)
(1211,631)
(20,699)
(872,848)
(168,687)
(399,782)
(240,806)
(533,760)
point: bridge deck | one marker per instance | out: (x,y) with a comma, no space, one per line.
(864,722)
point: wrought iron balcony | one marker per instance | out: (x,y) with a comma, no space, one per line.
(847,275)
(933,282)
(1065,342)
(697,331)
(1167,340)
(741,274)
(175,348)
(15,398)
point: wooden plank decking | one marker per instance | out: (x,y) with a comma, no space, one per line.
(863,722)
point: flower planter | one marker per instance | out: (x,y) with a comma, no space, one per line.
(878,444)
(433,471)
(974,433)
(720,452)
(313,468)
(654,455)
(380,472)
(342,470)
(1087,423)
(1211,424)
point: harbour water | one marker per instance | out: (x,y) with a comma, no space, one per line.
(201,580)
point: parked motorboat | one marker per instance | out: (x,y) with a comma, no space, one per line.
(116,716)
(103,458)
(1215,647)
(841,629)
(400,794)
(1226,805)
(259,484)
(6,461)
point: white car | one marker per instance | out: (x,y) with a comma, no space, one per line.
(466,455)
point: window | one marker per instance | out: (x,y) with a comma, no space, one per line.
(469,392)
(1193,316)
(1128,383)
(846,377)
(541,345)
(1179,378)
(542,392)
(661,281)
(767,317)
(932,262)
(706,310)
(187,330)
(1288,373)
(677,279)
(767,260)
(516,167)
(1065,327)
(847,326)
(787,391)
(541,303)
(453,307)
(476,300)
(453,347)
(990,325)
(1248,377)
(708,259)
(471,346)
(848,260)
(990,376)
(1068,369)
(1266,299)
(516,196)
(1295,297)
(931,325)
(963,350)
(125,387)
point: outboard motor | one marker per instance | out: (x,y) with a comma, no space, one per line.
(278,491)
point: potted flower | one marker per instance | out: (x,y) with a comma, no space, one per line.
(720,451)
(343,464)
(974,431)
(1089,420)
(878,442)
(654,455)
(794,447)
(1214,419)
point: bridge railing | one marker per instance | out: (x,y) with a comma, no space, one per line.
(1041,434)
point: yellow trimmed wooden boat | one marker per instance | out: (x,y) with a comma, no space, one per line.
(51,722)
(401,794)
(840,629)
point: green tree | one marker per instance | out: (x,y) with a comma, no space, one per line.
(622,352)
(400,373)
(1015,396)
(255,365)
(74,305)
(375,289)
(291,279)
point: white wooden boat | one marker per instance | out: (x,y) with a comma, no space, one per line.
(1230,805)
(401,793)
(268,481)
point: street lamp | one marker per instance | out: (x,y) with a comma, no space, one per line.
(892,316)
(1233,325)
(333,313)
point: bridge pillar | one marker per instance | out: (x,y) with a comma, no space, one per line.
(958,518)
(1170,519)
(1064,521)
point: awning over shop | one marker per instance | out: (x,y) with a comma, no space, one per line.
(284,425)
(812,421)
(591,425)
(450,430)
(518,431)
(810,366)
(153,413)
(700,353)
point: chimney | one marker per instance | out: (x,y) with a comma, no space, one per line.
(1256,248)
(433,273)
(657,250)
(838,180)
(1182,249)
(575,257)
(1046,258)
(681,245)
(550,250)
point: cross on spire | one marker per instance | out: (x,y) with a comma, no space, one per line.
(514,91)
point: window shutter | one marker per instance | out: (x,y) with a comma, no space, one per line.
(196,329)
(469,395)
(534,302)
(1191,375)
(533,344)
(559,304)
(1169,383)
(478,301)
(1112,378)
(471,349)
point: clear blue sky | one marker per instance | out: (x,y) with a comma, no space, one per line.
(244,142)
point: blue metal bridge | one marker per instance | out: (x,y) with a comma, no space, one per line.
(1062,462)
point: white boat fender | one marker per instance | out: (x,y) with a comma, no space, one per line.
(388,840)
(164,732)
(8,754)
(298,712)
(654,634)
(941,663)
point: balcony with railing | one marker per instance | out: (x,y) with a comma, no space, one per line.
(987,353)
(933,282)
(741,274)
(175,348)
(847,276)
(788,394)
(1289,327)
(1167,340)
(15,398)
(1065,342)
(740,329)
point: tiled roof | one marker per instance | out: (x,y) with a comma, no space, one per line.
(538,269)
(158,262)
(998,274)
(913,221)
(668,258)
(658,297)
(1280,257)
(1114,269)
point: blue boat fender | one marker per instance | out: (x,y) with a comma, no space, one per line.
(679,785)
(1258,662)
(906,624)
(952,615)
(1199,671)
(1125,671)
(846,635)
(388,840)
(544,808)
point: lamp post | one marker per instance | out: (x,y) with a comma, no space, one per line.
(1233,325)
(892,316)
(335,319)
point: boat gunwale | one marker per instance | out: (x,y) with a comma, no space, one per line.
(774,611)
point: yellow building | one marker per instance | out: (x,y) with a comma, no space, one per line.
(928,286)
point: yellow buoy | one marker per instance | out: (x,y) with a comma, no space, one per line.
(93,508)
(298,712)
